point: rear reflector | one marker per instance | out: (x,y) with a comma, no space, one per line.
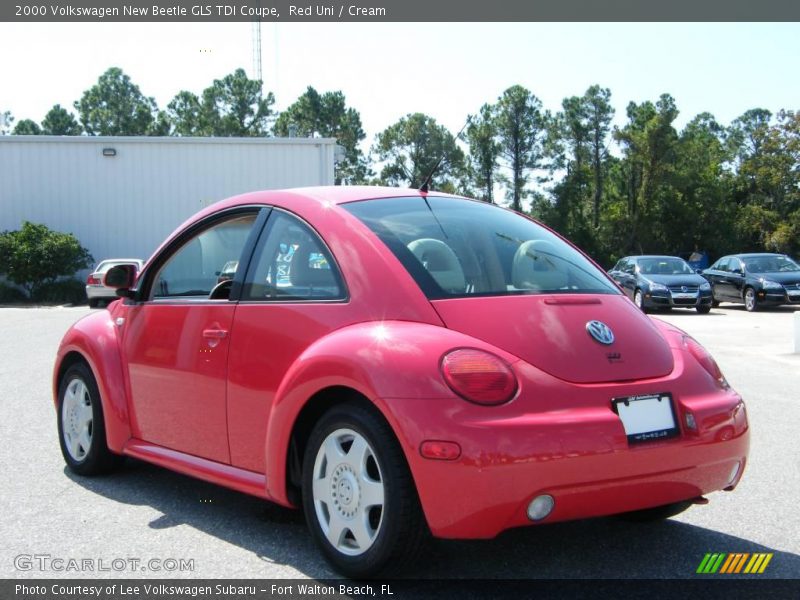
(479,376)
(440,450)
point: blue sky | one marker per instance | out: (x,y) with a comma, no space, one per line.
(446,70)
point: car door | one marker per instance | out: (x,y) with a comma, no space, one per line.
(293,295)
(176,338)
(735,281)
(718,277)
(618,275)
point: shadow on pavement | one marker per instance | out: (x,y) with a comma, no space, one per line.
(596,548)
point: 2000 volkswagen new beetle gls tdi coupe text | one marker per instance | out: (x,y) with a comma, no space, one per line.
(396,363)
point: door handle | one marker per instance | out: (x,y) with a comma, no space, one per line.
(215,334)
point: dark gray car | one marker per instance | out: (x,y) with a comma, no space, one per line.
(758,279)
(662,282)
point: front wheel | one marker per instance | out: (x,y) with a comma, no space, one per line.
(750,300)
(358,496)
(704,309)
(81,428)
(638,300)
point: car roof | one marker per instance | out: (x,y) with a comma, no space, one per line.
(753,255)
(657,256)
(332,194)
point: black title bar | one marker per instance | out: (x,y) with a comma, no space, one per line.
(398,10)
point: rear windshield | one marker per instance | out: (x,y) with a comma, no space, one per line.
(458,248)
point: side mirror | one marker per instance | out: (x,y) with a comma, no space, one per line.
(121,278)
(699,271)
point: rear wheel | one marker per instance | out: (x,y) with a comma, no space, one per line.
(750,300)
(358,495)
(657,513)
(704,309)
(93,302)
(81,428)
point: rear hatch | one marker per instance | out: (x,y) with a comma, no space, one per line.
(550,332)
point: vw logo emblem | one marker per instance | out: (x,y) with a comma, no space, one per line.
(600,332)
(684,288)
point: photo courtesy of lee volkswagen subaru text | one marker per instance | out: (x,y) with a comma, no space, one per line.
(397,364)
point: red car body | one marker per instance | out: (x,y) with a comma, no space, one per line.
(217,389)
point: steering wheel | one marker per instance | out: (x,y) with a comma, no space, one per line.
(221,291)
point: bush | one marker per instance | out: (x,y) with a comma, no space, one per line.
(36,257)
(10,295)
(66,291)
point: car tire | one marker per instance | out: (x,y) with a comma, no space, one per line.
(750,300)
(638,300)
(657,513)
(704,309)
(81,427)
(93,302)
(362,510)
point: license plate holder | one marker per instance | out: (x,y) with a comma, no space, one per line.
(647,417)
(684,296)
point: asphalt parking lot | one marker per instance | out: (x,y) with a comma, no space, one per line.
(145,513)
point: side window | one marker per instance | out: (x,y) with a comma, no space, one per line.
(723,265)
(208,258)
(629,267)
(292,263)
(736,265)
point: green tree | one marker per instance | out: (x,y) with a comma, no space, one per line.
(116,106)
(484,151)
(649,144)
(410,150)
(327,115)
(6,119)
(185,112)
(27,127)
(599,112)
(520,129)
(59,121)
(233,106)
(35,256)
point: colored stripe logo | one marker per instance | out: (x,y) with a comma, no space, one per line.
(731,564)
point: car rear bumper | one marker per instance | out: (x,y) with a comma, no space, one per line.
(100,291)
(580,456)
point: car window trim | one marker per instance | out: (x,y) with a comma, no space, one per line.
(144,285)
(252,264)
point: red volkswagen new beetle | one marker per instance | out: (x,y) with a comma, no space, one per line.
(396,362)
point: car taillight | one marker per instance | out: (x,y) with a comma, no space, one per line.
(478,376)
(92,280)
(707,361)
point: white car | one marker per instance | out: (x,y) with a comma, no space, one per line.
(96,292)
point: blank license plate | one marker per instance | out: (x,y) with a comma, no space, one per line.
(646,417)
(684,296)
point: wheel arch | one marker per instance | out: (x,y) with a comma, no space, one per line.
(403,363)
(97,347)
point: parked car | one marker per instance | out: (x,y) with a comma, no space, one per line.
(98,292)
(662,282)
(757,279)
(449,366)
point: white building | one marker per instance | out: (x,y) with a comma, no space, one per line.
(121,196)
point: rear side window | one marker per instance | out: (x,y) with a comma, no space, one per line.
(459,248)
(291,263)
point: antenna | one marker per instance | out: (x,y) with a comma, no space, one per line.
(257,46)
(424,187)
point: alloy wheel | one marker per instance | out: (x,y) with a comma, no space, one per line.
(348,492)
(77,419)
